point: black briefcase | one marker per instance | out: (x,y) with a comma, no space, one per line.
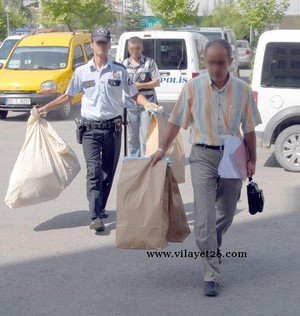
(256,198)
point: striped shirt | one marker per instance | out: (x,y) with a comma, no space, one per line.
(213,113)
(144,72)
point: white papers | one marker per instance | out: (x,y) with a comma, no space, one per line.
(227,167)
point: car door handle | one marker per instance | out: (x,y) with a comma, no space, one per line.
(167,73)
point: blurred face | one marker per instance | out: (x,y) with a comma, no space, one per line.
(100,49)
(217,63)
(135,49)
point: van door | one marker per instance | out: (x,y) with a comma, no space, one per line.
(172,62)
(279,83)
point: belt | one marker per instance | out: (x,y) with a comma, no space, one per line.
(104,124)
(220,147)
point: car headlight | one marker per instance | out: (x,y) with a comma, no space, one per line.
(49,85)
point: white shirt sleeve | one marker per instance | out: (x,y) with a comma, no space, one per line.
(75,85)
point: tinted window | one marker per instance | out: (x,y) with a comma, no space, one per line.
(78,55)
(39,57)
(281,65)
(168,53)
(212,35)
(89,51)
(6,48)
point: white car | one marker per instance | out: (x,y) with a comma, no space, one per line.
(6,47)
(276,86)
(179,58)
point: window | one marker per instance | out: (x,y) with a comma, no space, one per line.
(78,56)
(38,57)
(212,35)
(169,54)
(6,47)
(281,65)
(88,50)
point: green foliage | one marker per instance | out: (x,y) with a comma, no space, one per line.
(18,16)
(175,12)
(226,15)
(262,14)
(76,14)
(133,18)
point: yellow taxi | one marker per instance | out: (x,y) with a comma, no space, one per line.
(39,69)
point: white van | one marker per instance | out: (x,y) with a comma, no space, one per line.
(179,57)
(276,86)
(6,47)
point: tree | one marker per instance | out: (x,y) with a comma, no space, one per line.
(18,15)
(175,12)
(76,14)
(133,18)
(227,15)
(262,15)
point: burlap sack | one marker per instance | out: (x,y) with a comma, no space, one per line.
(45,166)
(150,211)
(175,152)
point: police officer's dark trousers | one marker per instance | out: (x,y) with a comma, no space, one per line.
(101,149)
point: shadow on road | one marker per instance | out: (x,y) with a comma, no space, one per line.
(105,279)
(77,219)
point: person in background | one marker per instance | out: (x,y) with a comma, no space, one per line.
(214,104)
(145,76)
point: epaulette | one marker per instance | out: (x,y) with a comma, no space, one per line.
(119,64)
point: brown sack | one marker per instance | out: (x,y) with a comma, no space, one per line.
(175,152)
(178,225)
(142,205)
(150,211)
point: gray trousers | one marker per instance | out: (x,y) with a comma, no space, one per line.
(215,201)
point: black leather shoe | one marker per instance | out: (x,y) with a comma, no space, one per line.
(211,288)
(103,214)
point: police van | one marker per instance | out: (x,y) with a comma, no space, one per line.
(276,86)
(179,58)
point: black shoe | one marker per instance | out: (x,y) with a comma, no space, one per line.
(211,288)
(103,214)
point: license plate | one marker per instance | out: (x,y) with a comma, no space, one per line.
(17,101)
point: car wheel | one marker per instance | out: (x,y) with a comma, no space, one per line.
(64,112)
(3,115)
(287,148)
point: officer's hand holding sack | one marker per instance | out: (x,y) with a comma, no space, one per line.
(45,166)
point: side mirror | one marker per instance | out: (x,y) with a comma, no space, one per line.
(1,65)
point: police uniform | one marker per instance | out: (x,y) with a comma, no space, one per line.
(101,110)
(139,118)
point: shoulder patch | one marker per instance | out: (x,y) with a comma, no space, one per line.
(119,64)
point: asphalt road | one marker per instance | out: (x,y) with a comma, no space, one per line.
(52,264)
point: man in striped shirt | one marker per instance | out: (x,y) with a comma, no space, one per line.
(213,104)
(145,76)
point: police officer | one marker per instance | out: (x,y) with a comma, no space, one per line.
(145,76)
(101,81)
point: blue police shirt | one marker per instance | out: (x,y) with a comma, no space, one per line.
(102,89)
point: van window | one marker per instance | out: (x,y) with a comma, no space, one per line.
(78,55)
(281,65)
(169,54)
(6,47)
(88,50)
(212,35)
(38,58)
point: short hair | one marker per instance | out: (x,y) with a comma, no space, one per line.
(135,40)
(221,43)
